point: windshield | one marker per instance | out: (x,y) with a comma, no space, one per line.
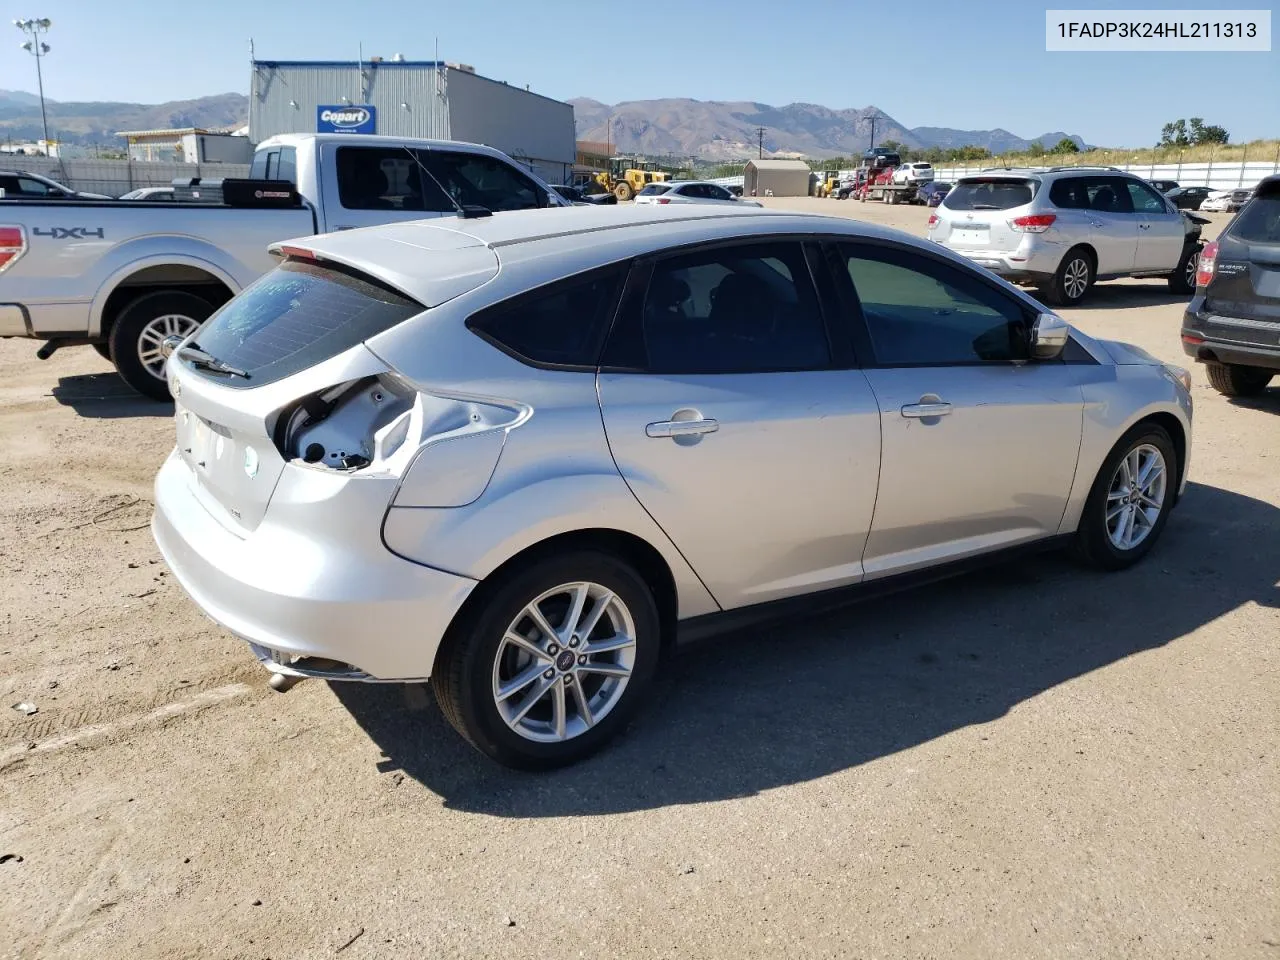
(296,316)
(990,193)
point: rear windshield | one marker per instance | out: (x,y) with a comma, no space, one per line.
(1259,221)
(653,189)
(990,193)
(297,316)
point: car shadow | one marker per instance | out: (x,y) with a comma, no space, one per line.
(785,704)
(1117,296)
(1268,401)
(106,396)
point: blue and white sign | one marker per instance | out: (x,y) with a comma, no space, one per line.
(346,118)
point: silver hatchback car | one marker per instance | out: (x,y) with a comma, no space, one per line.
(518,455)
(1063,228)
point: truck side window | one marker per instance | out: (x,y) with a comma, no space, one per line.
(386,178)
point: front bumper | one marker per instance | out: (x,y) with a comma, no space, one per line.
(323,589)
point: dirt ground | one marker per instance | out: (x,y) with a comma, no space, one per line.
(1036,761)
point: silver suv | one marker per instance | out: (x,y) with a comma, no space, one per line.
(1062,228)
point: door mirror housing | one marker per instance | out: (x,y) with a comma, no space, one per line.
(1049,335)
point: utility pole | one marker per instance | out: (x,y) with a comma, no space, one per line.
(760,134)
(37,48)
(873,118)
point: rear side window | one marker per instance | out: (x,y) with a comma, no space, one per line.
(654,189)
(297,316)
(990,193)
(386,178)
(560,325)
(1259,221)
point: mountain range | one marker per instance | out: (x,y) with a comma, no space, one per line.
(710,129)
(728,130)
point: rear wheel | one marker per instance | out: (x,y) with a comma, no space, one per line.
(1072,280)
(1183,278)
(1130,500)
(623,191)
(1231,380)
(549,667)
(143,326)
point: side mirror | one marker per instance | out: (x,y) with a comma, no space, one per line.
(1049,335)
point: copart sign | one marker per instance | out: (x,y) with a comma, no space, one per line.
(346,118)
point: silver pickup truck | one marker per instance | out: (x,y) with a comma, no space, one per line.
(122,275)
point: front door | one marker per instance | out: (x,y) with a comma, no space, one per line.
(1161,232)
(732,422)
(978,448)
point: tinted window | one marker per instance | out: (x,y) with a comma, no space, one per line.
(1259,221)
(1104,194)
(718,193)
(654,189)
(396,178)
(33,188)
(287,165)
(477,180)
(990,193)
(562,324)
(743,309)
(919,311)
(296,316)
(1145,199)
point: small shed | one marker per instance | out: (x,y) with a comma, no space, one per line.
(779,178)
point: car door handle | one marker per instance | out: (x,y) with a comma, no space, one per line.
(918,411)
(1144,226)
(681,428)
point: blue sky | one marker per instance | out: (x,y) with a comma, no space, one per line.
(975,66)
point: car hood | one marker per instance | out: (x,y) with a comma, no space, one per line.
(1126,354)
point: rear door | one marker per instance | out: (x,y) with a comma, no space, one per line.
(1113,227)
(737,422)
(1161,233)
(1244,295)
(979,447)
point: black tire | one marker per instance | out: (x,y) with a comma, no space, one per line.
(1063,289)
(1093,544)
(623,191)
(463,674)
(1231,380)
(1183,279)
(103,350)
(130,325)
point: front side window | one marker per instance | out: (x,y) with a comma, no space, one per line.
(920,312)
(741,309)
(562,324)
(33,188)
(474,179)
(1144,198)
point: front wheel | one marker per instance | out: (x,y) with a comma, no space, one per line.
(143,326)
(1183,279)
(1130,499)
(1232,380)
(623,191)
(552,663)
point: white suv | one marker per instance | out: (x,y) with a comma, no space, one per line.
(1062,228)
(913,173)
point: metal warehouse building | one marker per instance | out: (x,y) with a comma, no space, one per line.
(405,98)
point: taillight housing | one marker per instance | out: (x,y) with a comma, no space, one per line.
(664,199)
(933,220)
(13,244)
(1033,223)
(1207,264)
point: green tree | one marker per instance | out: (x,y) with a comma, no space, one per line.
(1036,149)
(1206,133)
(1066,145)
(1174,135)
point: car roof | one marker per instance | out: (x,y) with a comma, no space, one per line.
(576,238)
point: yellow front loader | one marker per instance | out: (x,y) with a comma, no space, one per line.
(627,176)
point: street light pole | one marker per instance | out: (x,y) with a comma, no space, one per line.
(37,48)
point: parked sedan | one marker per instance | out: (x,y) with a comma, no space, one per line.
(518,455)
(1232,325)
(582,198)
(1225,201)
(1164,186)
(689,191)
(1188,198)
(931,194)
(913,173)
(20,185)
(149,193)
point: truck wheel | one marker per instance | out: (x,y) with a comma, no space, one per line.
(623,191)
(893,198)
(1072,280)
(1183,278)
(1231,380)
(142,326)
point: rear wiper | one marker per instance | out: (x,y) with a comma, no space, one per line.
(201,359)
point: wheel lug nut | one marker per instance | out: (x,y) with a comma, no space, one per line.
(549,674)
(573,641)
(582,659)
(568,679)
(553,649)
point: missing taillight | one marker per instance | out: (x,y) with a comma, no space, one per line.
(346,427)
(13,244)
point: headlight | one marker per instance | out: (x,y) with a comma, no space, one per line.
(1178,375)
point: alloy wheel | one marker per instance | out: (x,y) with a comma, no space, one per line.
(153,336)
(1136,496)
(1190,270)
(564,662)
(1075,279)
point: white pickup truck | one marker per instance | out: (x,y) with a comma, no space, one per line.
(122,275)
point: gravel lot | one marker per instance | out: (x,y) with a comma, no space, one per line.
(1036,761)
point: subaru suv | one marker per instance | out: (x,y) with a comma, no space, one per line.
(1233,324)
(1063,228)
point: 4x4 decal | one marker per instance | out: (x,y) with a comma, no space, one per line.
(69,233)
